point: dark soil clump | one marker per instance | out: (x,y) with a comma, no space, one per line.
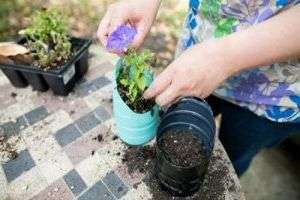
(214,185)
(120,189)
(141,105)
(136,185)
(115,137)
(13,95)
(72,112)
(99,138)
(182,148)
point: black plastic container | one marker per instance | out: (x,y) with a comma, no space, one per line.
(194,115)
(61,81)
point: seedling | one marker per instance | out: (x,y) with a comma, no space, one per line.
(134,78)
(46,56)
(48,39)
(134,73)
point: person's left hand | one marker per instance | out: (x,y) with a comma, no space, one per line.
(197,72)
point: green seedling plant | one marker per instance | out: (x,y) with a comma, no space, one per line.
(135,72)
(48,39)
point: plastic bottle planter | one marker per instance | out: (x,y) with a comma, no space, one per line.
(133,128)
(188,114)
(61,81)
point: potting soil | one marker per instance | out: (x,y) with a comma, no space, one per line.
(141,105)
(182,148)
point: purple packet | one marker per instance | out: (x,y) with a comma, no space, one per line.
(121,38)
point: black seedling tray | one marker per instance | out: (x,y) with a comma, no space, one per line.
(61,80)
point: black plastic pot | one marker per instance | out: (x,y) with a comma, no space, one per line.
(194,115)
(61,80)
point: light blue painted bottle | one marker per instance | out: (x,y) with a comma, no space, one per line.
(133,128)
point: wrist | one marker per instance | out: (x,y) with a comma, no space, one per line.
(216,55)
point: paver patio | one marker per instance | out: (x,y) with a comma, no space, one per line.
(60,152)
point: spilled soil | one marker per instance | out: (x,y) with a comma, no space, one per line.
(99,138)
(215,184)
(182,148)
(139,158)
(8,148)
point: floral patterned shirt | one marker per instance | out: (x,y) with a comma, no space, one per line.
(270,91)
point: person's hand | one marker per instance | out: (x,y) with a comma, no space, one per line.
(197,72)
(201,69)
(138,13)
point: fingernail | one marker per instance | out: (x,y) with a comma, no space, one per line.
(158,102)
(147,94)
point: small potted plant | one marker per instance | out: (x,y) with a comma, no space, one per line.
(136,118)
(185,141)
(54,59)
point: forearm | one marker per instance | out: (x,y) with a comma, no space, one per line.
(274,40)
(201,69)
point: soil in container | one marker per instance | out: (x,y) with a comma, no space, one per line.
(182,148)
(35,64)
(140,105)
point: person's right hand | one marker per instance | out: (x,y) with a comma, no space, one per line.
(138,13)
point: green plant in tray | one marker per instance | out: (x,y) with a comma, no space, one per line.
(48,39)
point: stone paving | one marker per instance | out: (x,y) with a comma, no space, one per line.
(60,154)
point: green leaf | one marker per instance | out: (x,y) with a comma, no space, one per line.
(141,84)
(48,29)
(124,82)
(134,73)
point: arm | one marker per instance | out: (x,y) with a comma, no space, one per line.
(274,40)
(202,68)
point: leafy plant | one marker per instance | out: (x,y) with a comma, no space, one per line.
(135,73)
(47,37)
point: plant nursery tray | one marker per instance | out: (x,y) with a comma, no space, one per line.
(61,80)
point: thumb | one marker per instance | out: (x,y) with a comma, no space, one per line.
(160,84)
